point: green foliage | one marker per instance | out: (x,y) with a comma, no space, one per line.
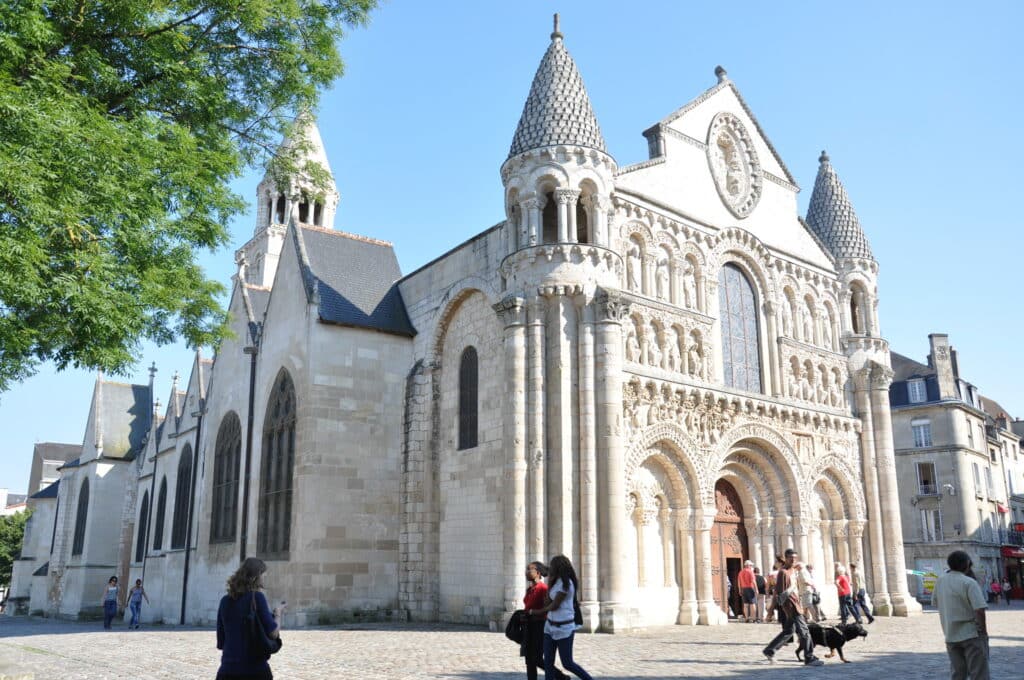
(12,530)
(121,123)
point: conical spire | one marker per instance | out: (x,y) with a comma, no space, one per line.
(307,133)
(557,111)
(831,215)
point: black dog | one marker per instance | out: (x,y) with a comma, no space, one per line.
(834,637)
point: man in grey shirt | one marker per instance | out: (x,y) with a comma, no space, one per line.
(961,605)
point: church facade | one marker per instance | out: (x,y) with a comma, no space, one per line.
(660,370)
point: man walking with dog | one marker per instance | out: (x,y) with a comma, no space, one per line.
(791,613)
(961,605)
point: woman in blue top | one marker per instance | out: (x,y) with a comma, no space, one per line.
(110,597)
(560,627)
(135,596)
(236,661)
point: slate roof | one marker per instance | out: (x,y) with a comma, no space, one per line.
(48,491)
(557,110)
(354,280)
(55,451)
(43,570)
(831,215)
(905,368)
(993,409)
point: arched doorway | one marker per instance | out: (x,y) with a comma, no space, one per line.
(728,547)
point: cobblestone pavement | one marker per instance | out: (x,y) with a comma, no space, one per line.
(896,648)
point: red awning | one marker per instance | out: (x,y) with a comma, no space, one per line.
(1009,551)
(1002,508)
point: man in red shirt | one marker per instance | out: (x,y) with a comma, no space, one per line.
(846,608)
(747,583)
(791,614)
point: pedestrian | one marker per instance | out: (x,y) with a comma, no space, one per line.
(845,591)
(860,594)
(805,591)
(560,627)
(747,582)
(762,593)
(994,591)
(110,598)
(772,607)
(533,639)
(787,583)
(1006,588)
(135,596)
(961,606)
(815,597)
(237,661)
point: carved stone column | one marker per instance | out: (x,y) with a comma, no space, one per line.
(774,374)
(536,406)
(665,524)
(650,269)
(640,517)
(513,316)
(752,526)
(800,526)
(875,576)
(829,555)
(895,562)
(709,613)
(686,560)
(564,198)
(531,215)
(769,545)
(588,470)
(611,309)
(673,284)
(856,541)
(841,531)
(784,531)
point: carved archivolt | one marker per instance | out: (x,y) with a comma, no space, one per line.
(677,451)
(789,474)
(457,295)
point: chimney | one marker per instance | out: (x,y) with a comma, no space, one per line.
(942,361)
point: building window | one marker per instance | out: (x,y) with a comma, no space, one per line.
(140,541)
(916,391)
(179,527)
(970,434)
(741,347)
(993,455)
(278,462)
(982,530)
(81,517)
(468,402)
(922,432)
(988,482)
(926,484)
(931,526)
(226,463)
(161,511)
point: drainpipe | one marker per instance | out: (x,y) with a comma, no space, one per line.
(198,415)
(251,350)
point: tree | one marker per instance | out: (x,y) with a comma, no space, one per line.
(12,531)
(121,124)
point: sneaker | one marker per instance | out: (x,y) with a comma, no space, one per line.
(768,658)
(815,662)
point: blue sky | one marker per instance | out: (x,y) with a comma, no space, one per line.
(917,103)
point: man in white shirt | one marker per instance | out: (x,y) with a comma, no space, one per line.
(961,604)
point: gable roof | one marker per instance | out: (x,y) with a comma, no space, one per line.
(352,279)
(47,491)
(557,110)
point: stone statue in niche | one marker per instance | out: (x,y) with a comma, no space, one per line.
(633,268)
(826,332)
(786,312)
(794,381)
(632,347)
(689,286)
(808,325)
(671,350)
(695,357)
(835,390)
(653,351)
(661,280)
(806,388)
(821,389)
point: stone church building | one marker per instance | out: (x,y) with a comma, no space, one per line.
(660,370)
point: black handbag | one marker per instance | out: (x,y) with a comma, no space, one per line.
(577,613)
(514,628)
(815,598)
(260,644)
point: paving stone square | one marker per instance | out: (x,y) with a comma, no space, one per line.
(40,649)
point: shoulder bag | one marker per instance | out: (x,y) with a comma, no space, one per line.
(260,644)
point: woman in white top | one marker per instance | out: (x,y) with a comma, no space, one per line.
(110,599)
(560,628)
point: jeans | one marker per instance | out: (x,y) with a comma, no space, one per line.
(846,609)
(109,612)
(564,647)
(860,599)
(968,659)
(792,622)
(136,608)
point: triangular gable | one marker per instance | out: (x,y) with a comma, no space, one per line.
(694,118)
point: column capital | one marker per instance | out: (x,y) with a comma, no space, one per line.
(769,308)
(856,528)
(530,203)
(612,306)
(881,377)
(862,379)
(566,196)
(511,310)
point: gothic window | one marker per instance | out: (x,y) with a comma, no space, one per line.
(181,493)
(280,208)
(741,353)
(304,209)
(468,380)
(582,225)
(226,464)
(270,210)
(278,461)
(318,214)
(549,218)
(140,541)
(161,511)
(81,517)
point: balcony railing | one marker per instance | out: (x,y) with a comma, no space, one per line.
(1012,537)
(927,490)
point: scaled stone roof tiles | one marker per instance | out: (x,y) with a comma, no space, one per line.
(557,110)
(831,216)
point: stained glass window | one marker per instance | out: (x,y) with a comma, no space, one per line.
(275,508)
(468,380)
(741,353)
(226,463)
(161,508)
(81,517)
(140,541)
(179,527)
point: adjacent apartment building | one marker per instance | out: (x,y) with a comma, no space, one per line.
(960,470)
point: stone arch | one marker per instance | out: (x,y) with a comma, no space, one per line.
(781,458)
(668,442)
(548,177)
(749,492)
(639,230)
(740,246)
(456,297)
(840,474)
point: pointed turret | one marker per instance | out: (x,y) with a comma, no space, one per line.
(558,110)
(832,218)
